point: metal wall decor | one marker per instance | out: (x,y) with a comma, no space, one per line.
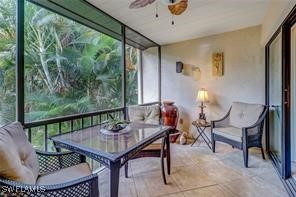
(218,64)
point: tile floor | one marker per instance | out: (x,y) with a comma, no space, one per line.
(196,171)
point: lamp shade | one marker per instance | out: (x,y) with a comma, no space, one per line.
(202,95)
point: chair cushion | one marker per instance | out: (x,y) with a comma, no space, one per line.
(144,114)
(231,133)
(136,113)
(244,114)
(18,157)
(153,146)
(65,175)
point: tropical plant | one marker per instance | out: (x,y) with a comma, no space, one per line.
(69,68)
(7,61)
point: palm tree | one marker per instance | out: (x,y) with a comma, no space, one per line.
(69,68)
(7,60)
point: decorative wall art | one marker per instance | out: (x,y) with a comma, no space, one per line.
(218,64)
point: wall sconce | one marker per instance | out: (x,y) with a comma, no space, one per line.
(179,67)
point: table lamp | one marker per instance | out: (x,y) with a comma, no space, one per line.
(202,97)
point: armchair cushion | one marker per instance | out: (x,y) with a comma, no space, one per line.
(244,114)
(65,175)
(18,157)
(231,133)
(144,114)
(154,146)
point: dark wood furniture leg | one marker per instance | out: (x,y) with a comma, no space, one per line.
(245,149)
(114,178)
(162,161)
(168,153)
(161,153)
(246,156)
(213,142)
(126,170)
(262,152)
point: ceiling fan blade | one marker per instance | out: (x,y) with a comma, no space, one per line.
(140,3)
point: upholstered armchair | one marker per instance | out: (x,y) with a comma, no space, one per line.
(149,114)
(241,127)
(26,172)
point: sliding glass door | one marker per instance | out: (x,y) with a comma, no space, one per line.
(281,99)
(275,98)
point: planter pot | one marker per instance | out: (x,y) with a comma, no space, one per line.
(169,115)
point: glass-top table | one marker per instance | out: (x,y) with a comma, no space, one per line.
(113,150)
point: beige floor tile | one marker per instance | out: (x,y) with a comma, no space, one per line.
(211,191)
(257,165)
(201,154)
(253,187)
(196,171)
(272,178)
(191,176)
(143,165)
(181,157)
(179,194)
(151,184)
(126,185)
(219,172)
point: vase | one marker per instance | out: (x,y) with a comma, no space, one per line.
(169,115)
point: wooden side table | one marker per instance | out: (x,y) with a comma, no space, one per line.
(201,132)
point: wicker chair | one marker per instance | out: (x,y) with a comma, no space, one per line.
(241,127)
(150,114)
(52,169)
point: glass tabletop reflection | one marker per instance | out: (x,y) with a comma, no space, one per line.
(97,139)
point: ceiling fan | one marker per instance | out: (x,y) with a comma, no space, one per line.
(176,7)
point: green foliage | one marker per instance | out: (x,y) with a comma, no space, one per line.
(7,61)
(69,68)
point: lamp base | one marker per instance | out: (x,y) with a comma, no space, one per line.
(202,116)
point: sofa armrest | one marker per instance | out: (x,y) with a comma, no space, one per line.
(50,162)
(223,122)
(86,186)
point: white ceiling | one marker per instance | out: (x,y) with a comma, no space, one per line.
(202,18)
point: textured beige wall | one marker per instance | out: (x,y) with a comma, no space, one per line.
(277,12)
(150,75)
(244,78)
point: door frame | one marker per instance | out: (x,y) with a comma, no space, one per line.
(275,159)
(284,169)
(281,163)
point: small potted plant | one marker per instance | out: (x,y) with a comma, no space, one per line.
(115,124)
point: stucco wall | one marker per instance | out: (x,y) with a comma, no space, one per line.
(150,75)
(244,78)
